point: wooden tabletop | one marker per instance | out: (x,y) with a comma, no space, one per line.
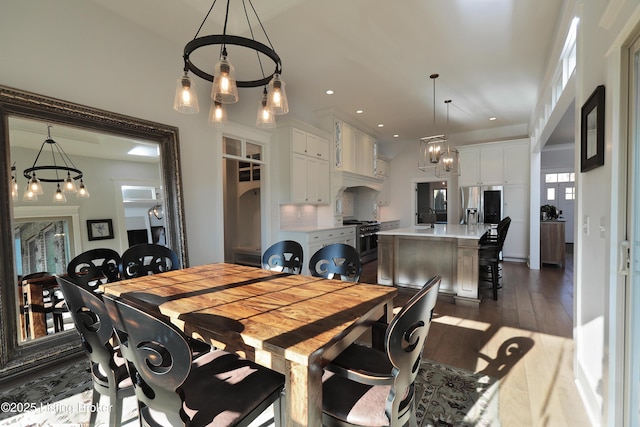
(292,322)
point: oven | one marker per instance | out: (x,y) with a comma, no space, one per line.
(366,238)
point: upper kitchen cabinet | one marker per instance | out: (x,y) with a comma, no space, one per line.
(304,166)
(309,144)
(355,150)
(494,163)
(382,171)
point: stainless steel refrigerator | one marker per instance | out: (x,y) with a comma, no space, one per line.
(481,204)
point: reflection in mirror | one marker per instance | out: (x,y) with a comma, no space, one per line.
(96,158)
(108,153)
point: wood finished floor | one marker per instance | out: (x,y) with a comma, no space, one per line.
(524,339)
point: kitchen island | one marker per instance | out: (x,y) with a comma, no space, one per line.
(411,256)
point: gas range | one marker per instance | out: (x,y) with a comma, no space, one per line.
(364,227)
(366,238)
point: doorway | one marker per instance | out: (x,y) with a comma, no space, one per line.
(243,165)
(431,203)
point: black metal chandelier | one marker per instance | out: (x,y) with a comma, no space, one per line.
(60,163)
(225,85)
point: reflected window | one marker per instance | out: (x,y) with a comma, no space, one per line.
(46,246)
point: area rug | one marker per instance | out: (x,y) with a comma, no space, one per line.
(448,396)
(59,398)
(445,396)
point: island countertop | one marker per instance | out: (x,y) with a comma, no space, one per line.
(456,231)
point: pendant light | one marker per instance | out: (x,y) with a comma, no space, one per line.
(265,118)
(225,86)
(449,163)
(431,146)
(217,114)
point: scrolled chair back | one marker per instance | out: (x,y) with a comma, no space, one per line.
(146,258)
(285,256)
(95,267)
(405,338)
(336,261)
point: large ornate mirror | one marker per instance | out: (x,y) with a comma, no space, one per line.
(131,170)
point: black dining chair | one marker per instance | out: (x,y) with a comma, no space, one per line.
(285,256)
(95,267)
(147,258)
(53,302)
(172,388)
(336,261)
(490,255)
(108,370)
(365,386)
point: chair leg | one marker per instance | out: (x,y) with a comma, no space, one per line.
(279,416)
(494,279)
(95,401)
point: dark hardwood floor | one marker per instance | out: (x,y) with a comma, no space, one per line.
(524,339)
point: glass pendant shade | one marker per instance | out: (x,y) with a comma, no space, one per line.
(224,88)
(266,118)
(69,184)
(277,100)
(29,195)
(82,193)
(217,113)
(59,196)
(14,188)
(186,99)
(35,185)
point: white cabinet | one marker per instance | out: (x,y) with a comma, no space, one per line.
(356,149)
(382,171)
(312,241)
(304,172)
(516,206)
(382,167)
(494,164)
(516,164)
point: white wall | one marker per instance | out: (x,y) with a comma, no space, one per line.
(603,27)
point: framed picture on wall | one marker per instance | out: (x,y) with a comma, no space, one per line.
(100,229)
(592,131)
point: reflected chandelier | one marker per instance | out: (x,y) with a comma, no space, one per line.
(60,163)
(225,85)
(431,146)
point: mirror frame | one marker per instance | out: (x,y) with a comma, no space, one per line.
(15,357)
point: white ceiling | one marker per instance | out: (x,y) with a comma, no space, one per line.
(377,56)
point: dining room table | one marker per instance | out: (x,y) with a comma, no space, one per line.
(294,324)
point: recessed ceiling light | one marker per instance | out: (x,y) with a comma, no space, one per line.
(493,118)
(380,125)
(396,135)
(359,111)
(329,92)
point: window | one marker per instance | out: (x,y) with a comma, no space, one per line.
(559,177)
(570,193)
(551,193)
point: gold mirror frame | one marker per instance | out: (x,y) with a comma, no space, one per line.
(18,358)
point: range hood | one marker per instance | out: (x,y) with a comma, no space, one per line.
(343,180)
(356,195)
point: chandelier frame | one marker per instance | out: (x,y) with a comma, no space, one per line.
(223,40)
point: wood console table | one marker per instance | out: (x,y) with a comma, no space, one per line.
(552,242)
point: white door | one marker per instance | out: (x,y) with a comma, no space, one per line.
(559,190)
